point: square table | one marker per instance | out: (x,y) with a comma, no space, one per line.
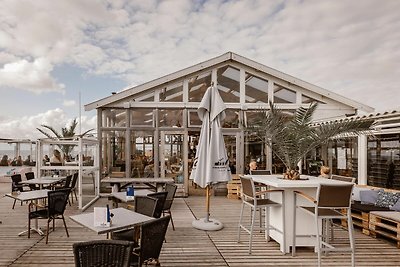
(34,195)
(45,180)
(122,219)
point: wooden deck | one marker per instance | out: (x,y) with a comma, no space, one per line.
(184,247)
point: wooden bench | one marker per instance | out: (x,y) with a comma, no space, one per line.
(385,223)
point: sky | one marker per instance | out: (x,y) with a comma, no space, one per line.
(56,55)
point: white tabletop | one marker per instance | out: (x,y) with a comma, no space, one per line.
(304,182)
(122,219)
(29,195)
(124,198)
(43,180)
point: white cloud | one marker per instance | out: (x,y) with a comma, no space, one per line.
(26,127)
(69,103)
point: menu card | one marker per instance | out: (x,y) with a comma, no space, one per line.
(100,217)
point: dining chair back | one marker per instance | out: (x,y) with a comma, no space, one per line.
(113,253)
(161,196)
(258,201)
(56,204)
(16,186)
(260,172)
(343,178)
(333,201)
(171,189)
(30,176)
(152,235)
(73,186)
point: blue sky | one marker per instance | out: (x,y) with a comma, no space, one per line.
(52,51)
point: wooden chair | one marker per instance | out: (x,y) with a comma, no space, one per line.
(57,202)
(171,189)
(152,235)
(113,253)
(253,199)
(330,200)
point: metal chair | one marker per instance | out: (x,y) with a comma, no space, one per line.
(343,178)
(113,253)
(152,235)
(329,201)
(253,199)
(171,189)
(57,202)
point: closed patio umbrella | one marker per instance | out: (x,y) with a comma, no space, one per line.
(211,164)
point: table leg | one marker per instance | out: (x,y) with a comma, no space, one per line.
(36,227)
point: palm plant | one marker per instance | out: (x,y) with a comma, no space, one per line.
(292,136)
(66,133)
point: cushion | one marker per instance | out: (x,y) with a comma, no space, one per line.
(356,192)
(369,196)
(396,206)
(366,207)
(386,199)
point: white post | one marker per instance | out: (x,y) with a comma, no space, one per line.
(362,159)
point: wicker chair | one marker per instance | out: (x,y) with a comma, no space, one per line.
(143,204)
(171,189)
(112,253)
(57,201)
(16,185)
(73,186)
(30,176)
(327,205)
(152,235)
(161,196)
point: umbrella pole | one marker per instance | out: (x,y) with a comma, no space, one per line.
(207,203)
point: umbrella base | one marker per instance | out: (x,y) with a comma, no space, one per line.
(210,225)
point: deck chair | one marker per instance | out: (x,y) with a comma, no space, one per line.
(327,205)
(112,253)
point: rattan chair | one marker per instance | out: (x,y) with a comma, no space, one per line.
(73,186)
(253,199)
(57,201)
(161,196)
(330,200)
(16,186)
(110,253)
(171,189)
(31,176)
(152,235)
(143,204)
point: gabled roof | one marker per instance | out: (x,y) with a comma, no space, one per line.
(227,57)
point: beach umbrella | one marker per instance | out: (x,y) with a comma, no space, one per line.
(211,163)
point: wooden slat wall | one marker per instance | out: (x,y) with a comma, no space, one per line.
(184,247)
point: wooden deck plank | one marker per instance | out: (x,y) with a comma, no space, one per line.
(184,247)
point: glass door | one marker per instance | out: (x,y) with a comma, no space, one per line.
(172,156)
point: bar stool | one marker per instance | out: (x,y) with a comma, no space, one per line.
(253,199)
(330,200)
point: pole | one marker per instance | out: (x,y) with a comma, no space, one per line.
(207,204)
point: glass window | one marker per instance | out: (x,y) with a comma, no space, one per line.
(146,96)
(229,84)
(194,119)
(307,100)
(231,119)
(283,95)
(142,117)
(172,93)
(170,117)
(114,118)
(198,85)
(256,89)
(113,153)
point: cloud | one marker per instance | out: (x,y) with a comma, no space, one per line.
(26,127)
(31,76)
(69,103)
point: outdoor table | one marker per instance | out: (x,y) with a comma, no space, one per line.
(155,183)
(45,180)
(122,197)
(122,219)
(304,226)
(34,195)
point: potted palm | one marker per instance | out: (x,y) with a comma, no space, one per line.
(292,136)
